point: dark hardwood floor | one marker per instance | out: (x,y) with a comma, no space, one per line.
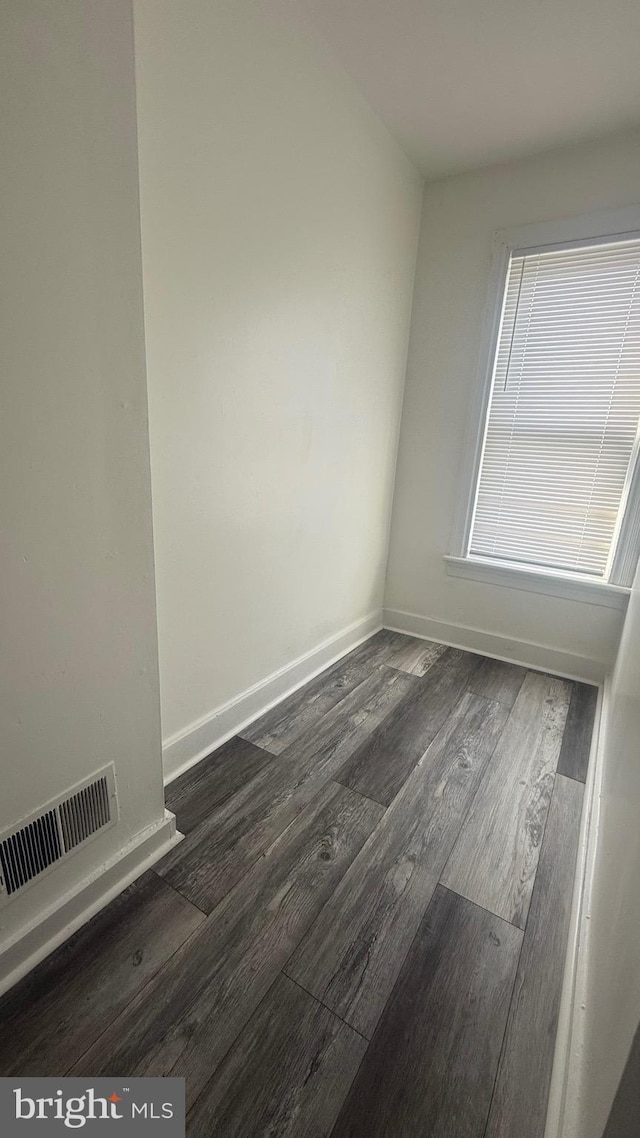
(364,929)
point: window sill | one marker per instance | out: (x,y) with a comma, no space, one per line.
(537,581)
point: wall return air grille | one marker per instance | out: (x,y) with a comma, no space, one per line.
(32,846)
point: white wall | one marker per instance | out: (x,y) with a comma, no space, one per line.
(460,217)
(79,656)
(612,993)
(279,231)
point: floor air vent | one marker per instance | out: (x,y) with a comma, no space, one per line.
(84,813)
(30,851)
(36,843)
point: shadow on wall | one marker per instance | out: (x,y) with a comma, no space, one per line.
(624,1120)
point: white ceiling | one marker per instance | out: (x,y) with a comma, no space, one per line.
(464,83)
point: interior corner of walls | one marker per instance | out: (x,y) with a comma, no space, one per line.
(186,748)
(524,652)
(51,926)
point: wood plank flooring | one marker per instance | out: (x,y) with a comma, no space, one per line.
(203,789)
(576,741)
(188,1016)
(364,930)
(294,1081)
(431,1064)
(351,956)
(415,656)
(217,854)
(496,680)
(525,1069)
(306,707)
(60,1008)
(495,859)
(379,767)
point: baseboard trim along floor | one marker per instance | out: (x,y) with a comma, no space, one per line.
(75,909)
(523,652)
(184,749)
(563,1116)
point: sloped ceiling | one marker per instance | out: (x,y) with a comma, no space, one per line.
(465,83)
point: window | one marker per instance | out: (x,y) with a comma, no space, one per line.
(555,489)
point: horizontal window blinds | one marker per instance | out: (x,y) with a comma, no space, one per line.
(564,409)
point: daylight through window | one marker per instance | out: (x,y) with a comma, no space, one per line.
(561,436)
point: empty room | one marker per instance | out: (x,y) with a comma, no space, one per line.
(320,604)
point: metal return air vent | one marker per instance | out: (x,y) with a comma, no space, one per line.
(30,847)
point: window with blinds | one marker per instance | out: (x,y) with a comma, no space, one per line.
(561,436)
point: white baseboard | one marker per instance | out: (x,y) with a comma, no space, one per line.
(186,748)
(525,652)
(74,909)
(563,1115)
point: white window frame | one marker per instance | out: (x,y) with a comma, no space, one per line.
(590,228)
